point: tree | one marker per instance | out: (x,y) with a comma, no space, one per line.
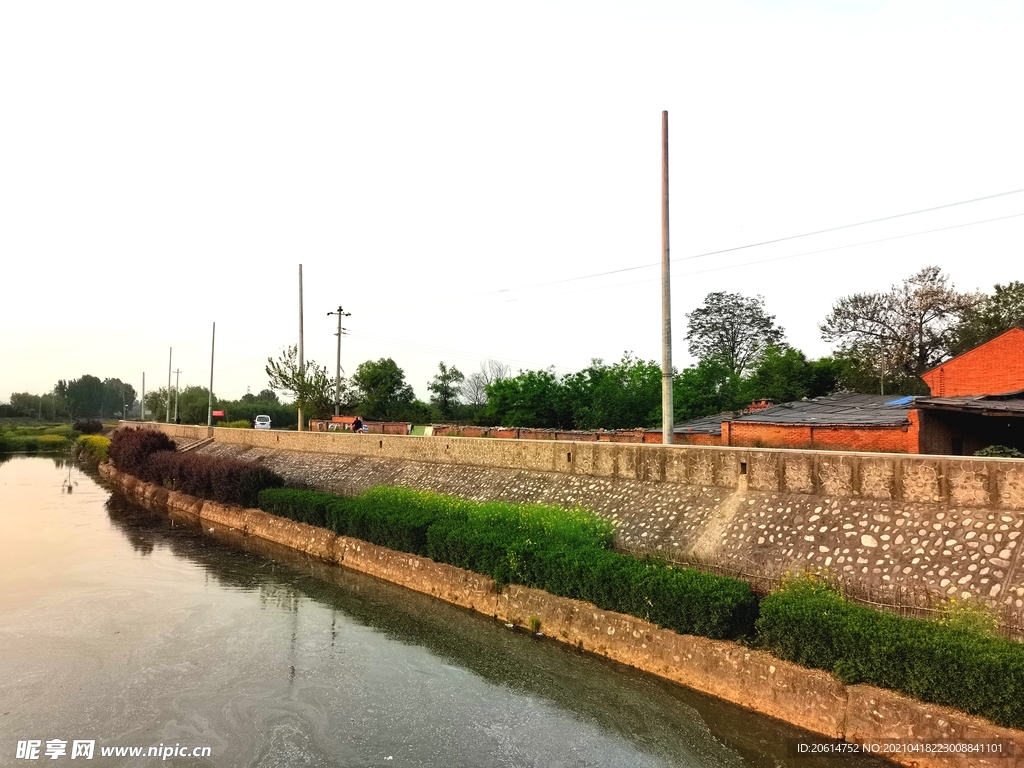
(193,404)
(445,388)
(474,388)
(312,388)
(784,375)
(707,388)
(116,397)
(901,333)
(530,399)
(992,315)
(732,328)
(84,396)
(267,396)
(383,391)
(624,395)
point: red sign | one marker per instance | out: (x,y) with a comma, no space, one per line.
(218,413)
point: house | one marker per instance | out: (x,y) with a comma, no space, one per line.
(976,400)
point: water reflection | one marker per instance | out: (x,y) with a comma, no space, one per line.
(663,720)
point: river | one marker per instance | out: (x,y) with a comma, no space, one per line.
(128,628)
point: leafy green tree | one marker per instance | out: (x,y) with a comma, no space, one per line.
(993,315)
(382,389)
(267,396)
(903,332)
(529,399)
(707,388)
(193,404)
(156,405)
(784,375)
(445,388)
(117,395)
(85,396)
(624,395)
(312,388)
(732,328)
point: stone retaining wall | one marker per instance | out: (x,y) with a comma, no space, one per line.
(961,481)
(913,528)
(807,698)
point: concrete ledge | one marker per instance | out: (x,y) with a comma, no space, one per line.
(810,699)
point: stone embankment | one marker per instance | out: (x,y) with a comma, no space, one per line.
(810,699)
(927,525)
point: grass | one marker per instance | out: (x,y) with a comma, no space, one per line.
(37,437)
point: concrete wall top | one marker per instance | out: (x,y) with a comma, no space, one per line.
(957,480)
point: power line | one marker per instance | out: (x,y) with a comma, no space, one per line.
(619,286)
(744,247)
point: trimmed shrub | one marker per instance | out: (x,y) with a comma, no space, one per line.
(240,424)
(564,552)
(88,426)
(228,481)
(309,507)
(152,456)
(94,447)
(130,450)
(810,624)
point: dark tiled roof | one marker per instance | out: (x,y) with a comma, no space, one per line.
(845,408)
(705,425)
(1009,404)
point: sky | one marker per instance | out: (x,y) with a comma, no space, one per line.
(453,175)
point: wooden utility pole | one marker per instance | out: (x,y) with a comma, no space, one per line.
(667,405)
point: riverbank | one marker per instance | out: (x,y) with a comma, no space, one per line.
(810,699)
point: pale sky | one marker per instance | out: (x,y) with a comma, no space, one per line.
(445,170)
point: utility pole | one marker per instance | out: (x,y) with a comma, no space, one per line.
(337,369)
(142,410)
(209,407)
(177,379)
(667,406)
(168,411)
(302,355)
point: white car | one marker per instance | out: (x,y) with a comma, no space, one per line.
(262,422)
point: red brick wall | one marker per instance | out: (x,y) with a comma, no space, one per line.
(995,367)
(881,439)
(698,439)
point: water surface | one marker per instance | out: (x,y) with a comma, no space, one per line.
(129,627)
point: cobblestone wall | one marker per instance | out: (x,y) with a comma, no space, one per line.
(934,524)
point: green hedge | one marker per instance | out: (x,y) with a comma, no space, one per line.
(560,551)
(93,446)
(810,624)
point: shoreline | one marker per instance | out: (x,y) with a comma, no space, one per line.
(810,699)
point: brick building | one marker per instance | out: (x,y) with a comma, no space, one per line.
(976,400)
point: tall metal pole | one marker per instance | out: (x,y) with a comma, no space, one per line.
(667,406)
(177,387)
(170,354)
(337,370)
(209,407)
(142,410)
(302,354)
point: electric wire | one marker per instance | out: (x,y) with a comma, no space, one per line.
(617,286)
(741,247)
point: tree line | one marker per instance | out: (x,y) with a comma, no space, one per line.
(883,341)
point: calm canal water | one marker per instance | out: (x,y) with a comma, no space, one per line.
(136,629)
